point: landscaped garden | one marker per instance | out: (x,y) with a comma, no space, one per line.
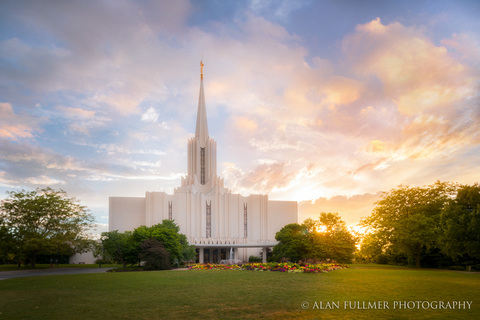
(272,266)
(226,294)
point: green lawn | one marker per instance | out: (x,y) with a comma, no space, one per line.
(237,294)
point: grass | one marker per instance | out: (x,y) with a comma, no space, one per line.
(222,294)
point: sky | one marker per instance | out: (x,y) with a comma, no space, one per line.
(328,103)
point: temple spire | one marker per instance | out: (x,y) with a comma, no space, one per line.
(201,131)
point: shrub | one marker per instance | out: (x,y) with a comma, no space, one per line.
(456,268)
(254,259)
(155,256)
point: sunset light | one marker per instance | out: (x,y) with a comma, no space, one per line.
(322,102)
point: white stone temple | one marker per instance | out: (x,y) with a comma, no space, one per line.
(221,225)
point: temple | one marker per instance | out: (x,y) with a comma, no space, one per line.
(221,225)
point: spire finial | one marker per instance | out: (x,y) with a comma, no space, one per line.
(201,69)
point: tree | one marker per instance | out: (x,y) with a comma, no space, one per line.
(371,249)
(337,241)
(325,238)
(44,221)
(292,243)
(7,243)
(407,219)
(460,221)
(168,233)
(119,247)
(155,256)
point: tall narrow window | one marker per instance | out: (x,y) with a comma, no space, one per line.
(202,165)
(209,219)
(245,228)
(170,210)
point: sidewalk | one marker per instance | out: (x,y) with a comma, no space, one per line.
(48,272)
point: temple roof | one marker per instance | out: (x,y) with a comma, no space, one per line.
(201,131)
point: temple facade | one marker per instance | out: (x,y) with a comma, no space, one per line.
(221,225)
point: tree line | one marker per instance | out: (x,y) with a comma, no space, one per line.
(46,225)
(434,226)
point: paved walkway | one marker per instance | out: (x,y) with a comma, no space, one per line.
(48,272)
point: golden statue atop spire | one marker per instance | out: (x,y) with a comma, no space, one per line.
(201,69)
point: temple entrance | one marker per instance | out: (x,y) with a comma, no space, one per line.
(215,256)
(215,253)
(211,255)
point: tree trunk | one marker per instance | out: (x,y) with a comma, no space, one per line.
(33,261)
(417,257)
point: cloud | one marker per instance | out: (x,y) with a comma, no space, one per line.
(150,115)
(466,46)
(13,126)
(43,181)
(76,113)
(358,128)
(351,209)
(117,90)
(265,177)
(245,125)
(276,9)
(417,74)
(95,55)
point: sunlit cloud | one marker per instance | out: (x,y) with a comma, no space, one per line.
(417,74)
(301,110)
(76,113)
(13,126)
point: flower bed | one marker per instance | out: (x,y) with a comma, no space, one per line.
(211,266)
(272,266)
(292,267)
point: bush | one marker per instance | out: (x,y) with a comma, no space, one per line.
(103,261)
(382,259)
(254,259)
(155,256)
(456,268)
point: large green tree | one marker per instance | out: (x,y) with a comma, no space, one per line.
(119,247)
(129,247)
(292,243)
(325,238)
(407,219)
(43,222)
(337,242)
(460,224)
(168,233)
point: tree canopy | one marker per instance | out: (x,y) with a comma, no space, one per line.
(119,247)
(440,219)
(43,222)
(322,239)
(460,225)
(131,247)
